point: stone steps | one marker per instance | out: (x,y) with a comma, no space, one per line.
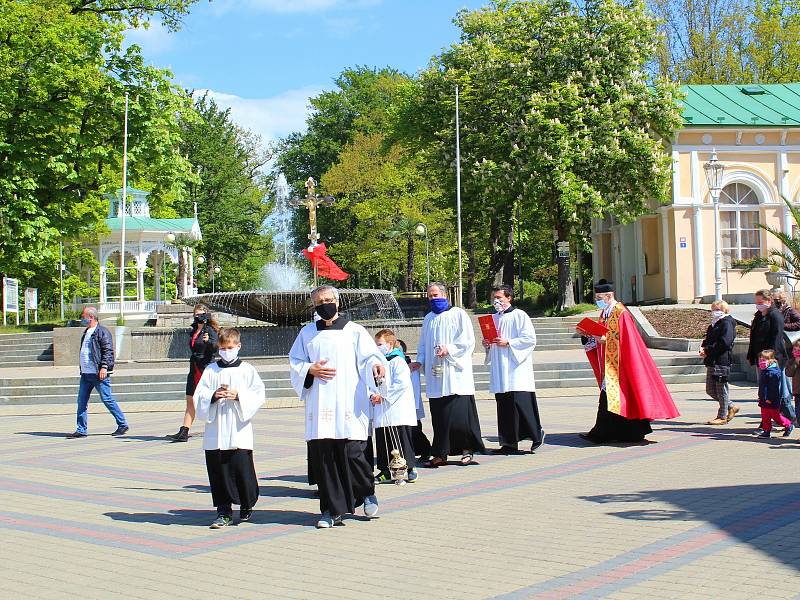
(170,386)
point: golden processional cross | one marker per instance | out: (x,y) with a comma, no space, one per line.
(311,202)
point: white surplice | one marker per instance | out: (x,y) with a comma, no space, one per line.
(453,330)
(511,367)
(416,385)
(338,408)
(227,422)
(398,406)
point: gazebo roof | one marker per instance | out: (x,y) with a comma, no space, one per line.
(185,225)
(759,105)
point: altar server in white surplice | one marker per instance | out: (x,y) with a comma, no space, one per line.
(510,359)
(226,398)
(334,363)
(444,354)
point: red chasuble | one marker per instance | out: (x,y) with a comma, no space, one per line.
(634,387)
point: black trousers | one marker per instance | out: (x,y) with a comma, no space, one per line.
(402,435)
(422,445)
(518,419)
(611,427)
(233,480)
(343,475)
(455,425)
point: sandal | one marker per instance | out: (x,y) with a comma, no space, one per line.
(466,459)
(436,461)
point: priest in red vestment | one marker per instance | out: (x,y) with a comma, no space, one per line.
(632,392)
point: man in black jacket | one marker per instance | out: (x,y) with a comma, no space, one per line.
(97,363)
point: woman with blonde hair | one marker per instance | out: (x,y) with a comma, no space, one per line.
(203,344)
(716,351)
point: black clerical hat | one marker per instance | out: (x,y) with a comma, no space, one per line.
(603,287)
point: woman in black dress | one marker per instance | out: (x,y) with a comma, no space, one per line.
(203,343)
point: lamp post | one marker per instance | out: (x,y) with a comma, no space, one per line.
(714,172)
(458,203)
(60,277)
(122,210)
(421,229)
(215,271)
(200,260)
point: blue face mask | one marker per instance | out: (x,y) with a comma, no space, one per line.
(601,304)
(85,322)
(439,305)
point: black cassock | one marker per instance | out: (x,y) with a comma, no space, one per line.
(611,427)
(233,480)
(455,425)
(518,419)
(341,471)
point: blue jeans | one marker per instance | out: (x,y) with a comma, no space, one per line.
(91,381)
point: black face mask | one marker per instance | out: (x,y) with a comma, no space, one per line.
(201,318)
(326,310)
(777,303)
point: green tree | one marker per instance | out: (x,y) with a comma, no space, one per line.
(382,194)
(63,76)
(559,118)
(232,194)
(728,41)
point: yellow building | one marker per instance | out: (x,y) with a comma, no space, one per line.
(668,255)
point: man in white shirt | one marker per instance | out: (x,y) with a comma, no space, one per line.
(444,354)
(97,364)
(334,363)
(510,359)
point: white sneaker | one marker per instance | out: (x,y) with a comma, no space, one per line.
(325,522)
(371,506)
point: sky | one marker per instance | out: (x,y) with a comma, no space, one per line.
(265,58)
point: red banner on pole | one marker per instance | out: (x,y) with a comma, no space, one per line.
(324,264)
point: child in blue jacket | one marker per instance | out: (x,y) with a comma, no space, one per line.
(769,395)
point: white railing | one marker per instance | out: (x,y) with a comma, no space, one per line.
(131,306)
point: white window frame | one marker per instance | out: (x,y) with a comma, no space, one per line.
(731,204)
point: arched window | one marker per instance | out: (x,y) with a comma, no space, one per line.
(739,231)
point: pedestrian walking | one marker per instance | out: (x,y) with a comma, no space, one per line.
(769,396)
(203,342)
(96,365)
(716,350)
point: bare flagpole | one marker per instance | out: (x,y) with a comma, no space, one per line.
(460,301)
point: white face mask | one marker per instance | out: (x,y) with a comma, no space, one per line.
(228,355)
(385,347)
(717,314)
(498,305)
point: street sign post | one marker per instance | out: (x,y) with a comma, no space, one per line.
(10,298)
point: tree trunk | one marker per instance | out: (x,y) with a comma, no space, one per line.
(472,292)
(508,264)
(179,288)
(498,255)
(566,295)
(409,279)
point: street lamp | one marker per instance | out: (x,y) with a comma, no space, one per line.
(714,172)
(421,230)
(215,271)
(200,260)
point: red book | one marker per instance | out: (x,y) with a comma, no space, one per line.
(488,328)
(592,327)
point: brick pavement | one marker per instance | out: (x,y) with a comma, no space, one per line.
(700,512)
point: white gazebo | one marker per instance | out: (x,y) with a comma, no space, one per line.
(146,238)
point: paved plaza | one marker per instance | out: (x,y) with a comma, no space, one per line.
(699,512)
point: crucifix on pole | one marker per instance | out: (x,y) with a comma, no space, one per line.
(311,202)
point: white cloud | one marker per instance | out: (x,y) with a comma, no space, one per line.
(271,118)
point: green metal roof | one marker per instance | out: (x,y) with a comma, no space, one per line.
(150,224)
(767,105)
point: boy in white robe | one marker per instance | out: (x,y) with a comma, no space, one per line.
(444,354)
(511,380)
(228,396)
(422,445)
(395,411)
(334,363)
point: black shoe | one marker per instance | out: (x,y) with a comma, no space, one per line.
(75,435)
(121,430)
(245,514)
(220,522)
(181,436)
(504,450)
